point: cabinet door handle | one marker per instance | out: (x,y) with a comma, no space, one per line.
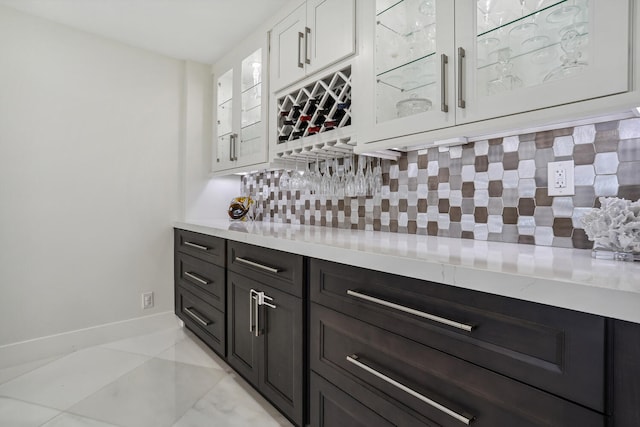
(195,245)
(257,265)
(300,39)
(203,321)
(461,57)
(404,309)
(263,300)
(196,278)
(464,419)
(251,299)
(444,60)
(307,39)
(231,148)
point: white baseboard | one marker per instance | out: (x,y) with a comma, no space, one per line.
(67,342)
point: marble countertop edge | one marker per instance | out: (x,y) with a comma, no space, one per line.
(567,278)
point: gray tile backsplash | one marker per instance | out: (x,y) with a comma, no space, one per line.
(488,190)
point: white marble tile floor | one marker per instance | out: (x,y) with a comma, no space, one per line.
(164,379)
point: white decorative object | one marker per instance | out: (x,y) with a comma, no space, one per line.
(615,229)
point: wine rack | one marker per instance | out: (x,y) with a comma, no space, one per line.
(318,108)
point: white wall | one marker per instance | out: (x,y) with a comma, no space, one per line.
(90,142)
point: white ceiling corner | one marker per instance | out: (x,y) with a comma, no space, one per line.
(198,30)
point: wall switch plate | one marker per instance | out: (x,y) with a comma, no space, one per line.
(561,178)
(147,300)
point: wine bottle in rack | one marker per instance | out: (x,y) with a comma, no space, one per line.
(305,118)
(320,119)
(343,105)
(312,130)
(297,134)
(283,138)
(284,113)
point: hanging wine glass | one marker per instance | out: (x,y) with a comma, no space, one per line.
(361,182)
(350,181)
(325,185)
(296,179)
(283,183)
(368,176)
(377,179)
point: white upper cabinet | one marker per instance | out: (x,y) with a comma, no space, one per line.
(317,34)
(240,138)
(433,64)
(522,55)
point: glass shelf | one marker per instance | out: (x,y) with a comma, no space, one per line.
(527,49)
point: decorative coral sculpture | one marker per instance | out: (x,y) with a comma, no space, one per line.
(615,226)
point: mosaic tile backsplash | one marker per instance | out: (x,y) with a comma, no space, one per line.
(488,190)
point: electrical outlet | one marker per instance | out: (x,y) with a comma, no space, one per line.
(561,178)
(147,300)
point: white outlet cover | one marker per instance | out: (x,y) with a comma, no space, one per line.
(147,300)
(566,170)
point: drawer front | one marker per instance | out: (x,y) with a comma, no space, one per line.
(447,390)
(201,246)
(209,278)
(540,345)
(281,270)
(331,407)
(203,319)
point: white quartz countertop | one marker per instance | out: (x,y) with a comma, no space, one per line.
(567,278)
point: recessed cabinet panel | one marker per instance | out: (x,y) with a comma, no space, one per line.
(332,35)
(288,49)
(314,36)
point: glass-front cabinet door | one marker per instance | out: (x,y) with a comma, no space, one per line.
(251,126)
(224,120)
(522,55)
(430,64)
(406,68)
(240,124)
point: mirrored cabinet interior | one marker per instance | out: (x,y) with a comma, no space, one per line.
(456,62)
(241,110)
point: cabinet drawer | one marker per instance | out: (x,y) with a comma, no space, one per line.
(206,248)
(447,390)
(209,278)
(282,270)
(540,345)
(332,407)
(203,319)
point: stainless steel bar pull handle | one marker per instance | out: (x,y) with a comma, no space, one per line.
(196,317)
(444,60)
(300,39)
(258,265)
(453,323)
(263,300)
(231,148)
(307,39)
(196,278)
(463,419)
(195,245)
(461,57)
(252,298)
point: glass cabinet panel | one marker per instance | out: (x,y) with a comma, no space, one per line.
(405,58)
(525,43)
(251,89)
(225,104)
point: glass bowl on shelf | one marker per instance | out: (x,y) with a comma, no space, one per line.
(413,105)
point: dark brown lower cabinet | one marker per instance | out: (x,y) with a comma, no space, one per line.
(626,374)
(265,342)
(370,362)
